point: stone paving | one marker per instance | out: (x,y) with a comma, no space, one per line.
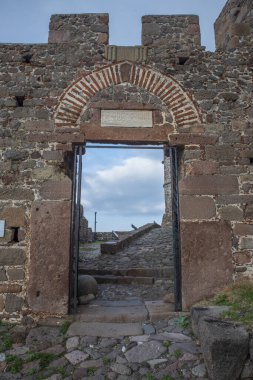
(150,251)
(163,350)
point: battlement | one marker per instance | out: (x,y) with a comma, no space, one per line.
(233,27)
(79,28)
(181,31)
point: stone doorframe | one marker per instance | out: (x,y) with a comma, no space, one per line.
(179,103)
(185,130)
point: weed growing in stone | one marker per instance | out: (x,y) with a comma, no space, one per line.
(62,371)
(183,322)
(149,376)
(178,353)
(7,343)
(32,371)
(91,371)
(14,364)
(106,361)
(44,358)
(167,343)
(167,377)
(64,327)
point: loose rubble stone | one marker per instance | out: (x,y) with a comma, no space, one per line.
(72,342)
(121,369)
(87,285)
(41,338)
(145,351)
(155,362)
(76,357)
(199,370)
(148,329)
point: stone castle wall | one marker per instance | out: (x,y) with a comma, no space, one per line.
(204,107)
(233,28)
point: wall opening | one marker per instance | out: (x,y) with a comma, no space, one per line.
(136,261)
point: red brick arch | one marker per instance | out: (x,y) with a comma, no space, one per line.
(166,88)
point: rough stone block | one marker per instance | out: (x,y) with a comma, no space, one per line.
(3,276)
(191,138)
(125,71)
(241,29)
(150,29)
(199,312)
(243,229)
(15,274)
(243,257)
(2,302)
(38,125)
(52,155)
(16,194)
(12,256)
(14,216)
(249,211)
(224,347)
(54,190)
(59,36)
(246,243)
(206,249)
(197,207)
(48,288)
(220,153)
(242,199)
(209,185)
(231,213)
(202,167)
(10,288)
(13,303)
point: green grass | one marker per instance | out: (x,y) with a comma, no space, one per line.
(106,361)
(44,358)
(64,327)
(149,376)
(91,371)
(7,342)
(239,298)
(184,322)
(167,343)
(178,353)
(167,377)
(14,364)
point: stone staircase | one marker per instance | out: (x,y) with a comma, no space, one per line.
(129,276)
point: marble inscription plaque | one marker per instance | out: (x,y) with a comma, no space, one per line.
(126,118)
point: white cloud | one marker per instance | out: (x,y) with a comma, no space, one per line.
(133,187)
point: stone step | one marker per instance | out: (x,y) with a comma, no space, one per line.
(126,280)
(109,313)
(165,272)
(104,330)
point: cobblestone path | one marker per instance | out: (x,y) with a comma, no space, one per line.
(152,251)
(164,350)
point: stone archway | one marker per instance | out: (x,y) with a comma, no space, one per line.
(166,88)
(75,100)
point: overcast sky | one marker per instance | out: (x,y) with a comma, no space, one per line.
(124,187)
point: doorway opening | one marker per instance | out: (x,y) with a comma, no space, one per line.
(133,259)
